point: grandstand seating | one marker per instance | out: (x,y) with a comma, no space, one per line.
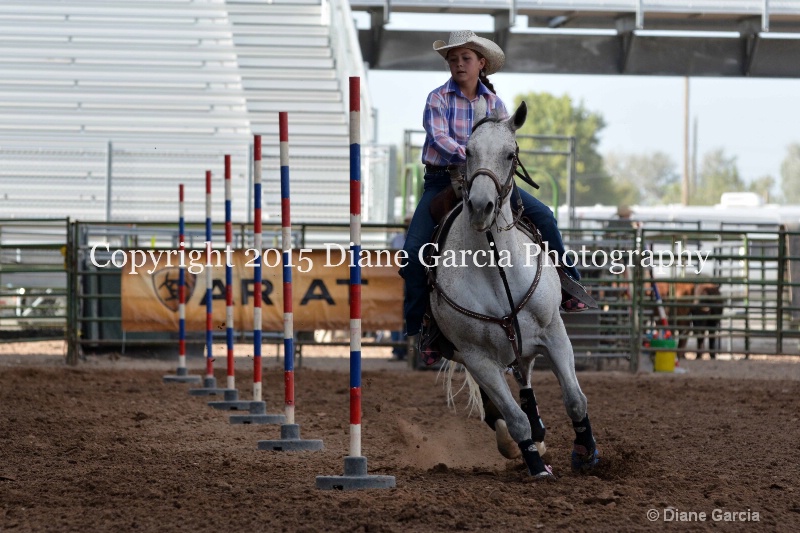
(172,85)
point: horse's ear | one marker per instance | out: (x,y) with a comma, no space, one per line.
(518,119)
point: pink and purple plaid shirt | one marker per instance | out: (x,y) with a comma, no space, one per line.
(448,122)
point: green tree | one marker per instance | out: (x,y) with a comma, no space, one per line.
(718,174)
(790,174)
(646,179)
(559,115)
(763,187)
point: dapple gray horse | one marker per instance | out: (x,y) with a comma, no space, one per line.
(472,303)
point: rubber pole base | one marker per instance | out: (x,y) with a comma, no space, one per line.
(231,402)
(290,441)
(209,388)
(181,375)
(258,415)
(355,478)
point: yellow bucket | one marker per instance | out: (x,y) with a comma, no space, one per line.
(664,359)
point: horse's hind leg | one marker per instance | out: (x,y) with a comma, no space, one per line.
(492,416)
(491,380)
(494,419)
(562,359)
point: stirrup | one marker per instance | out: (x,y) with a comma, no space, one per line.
(432,344)
(575,297)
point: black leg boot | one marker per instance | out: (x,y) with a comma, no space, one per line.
(584,450)
(533,461)
(531,409)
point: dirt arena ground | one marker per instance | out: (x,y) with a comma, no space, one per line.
(106,446)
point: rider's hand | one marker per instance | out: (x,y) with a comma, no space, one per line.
(457,179)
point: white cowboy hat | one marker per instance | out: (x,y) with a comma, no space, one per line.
(495,58)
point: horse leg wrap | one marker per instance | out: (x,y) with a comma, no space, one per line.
(532,458)
(583,433)
(531,409)
(585,455)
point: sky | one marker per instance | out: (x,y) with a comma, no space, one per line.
(753,119)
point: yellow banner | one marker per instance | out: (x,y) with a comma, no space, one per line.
(320,291)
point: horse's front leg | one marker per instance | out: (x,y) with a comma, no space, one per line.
(528,402)
(491,378)
(558,350)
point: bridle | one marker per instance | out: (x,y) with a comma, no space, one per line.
(503,189)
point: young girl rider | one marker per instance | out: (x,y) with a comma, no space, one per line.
(450,112)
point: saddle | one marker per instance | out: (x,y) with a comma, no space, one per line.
(432,345)
(446,206)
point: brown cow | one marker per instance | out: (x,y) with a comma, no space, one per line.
(698,313)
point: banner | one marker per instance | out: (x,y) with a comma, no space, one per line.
(320,296)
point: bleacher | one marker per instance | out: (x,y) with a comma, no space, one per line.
(154,92)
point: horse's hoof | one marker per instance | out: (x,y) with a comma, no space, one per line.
(505,444)
(544,475)
(583,460)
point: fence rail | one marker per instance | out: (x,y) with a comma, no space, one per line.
(743,298)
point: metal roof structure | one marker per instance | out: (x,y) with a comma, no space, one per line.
(759,38)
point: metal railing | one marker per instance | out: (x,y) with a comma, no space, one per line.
(33,279)
(752,305)
(746,296)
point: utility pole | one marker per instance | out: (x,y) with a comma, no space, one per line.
(685,183)
(694,157)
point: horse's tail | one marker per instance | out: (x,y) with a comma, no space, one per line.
(473,390)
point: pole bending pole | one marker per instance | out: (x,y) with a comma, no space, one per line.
(182,374)
(231,401)
(209,382)
(286,245)
(257,242)
(231,384)
(355,268)
(258,407)
(355,466)
(290,432)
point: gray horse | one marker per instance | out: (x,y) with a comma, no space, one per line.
(473,299)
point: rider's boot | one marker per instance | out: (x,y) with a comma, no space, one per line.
(433,345)
(574,297)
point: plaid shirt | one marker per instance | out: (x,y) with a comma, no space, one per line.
(448,122)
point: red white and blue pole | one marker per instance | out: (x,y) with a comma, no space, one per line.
(286,244)
(355,268)
(355,465)
(181,285)
(257,276)
(209,283)
(229,273)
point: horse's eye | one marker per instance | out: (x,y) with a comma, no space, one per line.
(468,153)
(511,156)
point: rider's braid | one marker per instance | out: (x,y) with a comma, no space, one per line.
(484,78)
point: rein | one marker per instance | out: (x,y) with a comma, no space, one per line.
(516,335)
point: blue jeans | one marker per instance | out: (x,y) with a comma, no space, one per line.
(421,230)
